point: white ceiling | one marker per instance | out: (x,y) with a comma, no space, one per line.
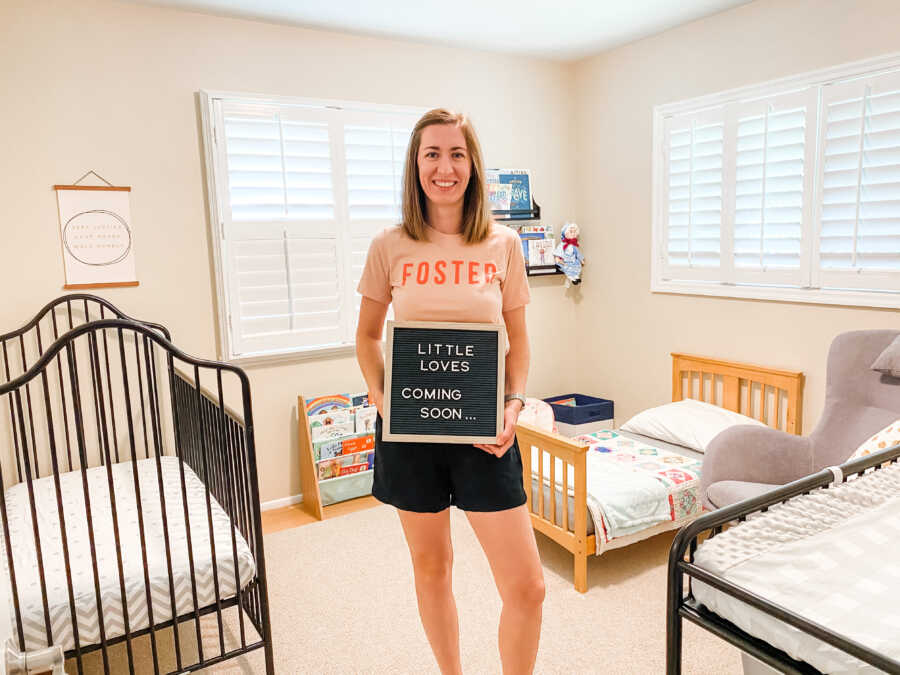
(557,29)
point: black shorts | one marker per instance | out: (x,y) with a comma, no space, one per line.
(429,477)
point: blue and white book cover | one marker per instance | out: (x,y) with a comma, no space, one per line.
(519,182)
(520,194)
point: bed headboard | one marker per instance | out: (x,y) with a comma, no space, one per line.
(774,397)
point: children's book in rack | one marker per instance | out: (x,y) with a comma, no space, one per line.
(538,247)
(337,449)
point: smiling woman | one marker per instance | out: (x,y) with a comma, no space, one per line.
(447,261)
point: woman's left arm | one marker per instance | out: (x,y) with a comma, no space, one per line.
(517,361)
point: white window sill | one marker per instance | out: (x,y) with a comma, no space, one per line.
(281,358)
(821,296)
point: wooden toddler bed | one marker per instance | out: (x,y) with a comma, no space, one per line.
(774,397)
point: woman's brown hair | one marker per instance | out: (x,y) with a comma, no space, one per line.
(476,211)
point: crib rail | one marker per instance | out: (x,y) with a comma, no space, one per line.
(21,348)
(116,425)
(681,605)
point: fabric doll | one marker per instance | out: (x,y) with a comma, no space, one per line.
(568,258)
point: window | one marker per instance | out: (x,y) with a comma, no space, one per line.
(784,191)
(297,191)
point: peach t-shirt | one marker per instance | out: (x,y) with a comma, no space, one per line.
(445,279)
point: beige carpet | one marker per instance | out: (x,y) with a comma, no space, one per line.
(342,601)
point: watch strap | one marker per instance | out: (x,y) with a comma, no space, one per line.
(510,397)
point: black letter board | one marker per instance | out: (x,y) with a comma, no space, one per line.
(444,382)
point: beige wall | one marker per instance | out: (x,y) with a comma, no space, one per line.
(111,87)
(625,333)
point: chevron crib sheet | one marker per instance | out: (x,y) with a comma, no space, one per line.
(85,585)
(829,556)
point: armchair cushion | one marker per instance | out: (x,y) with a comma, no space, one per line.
(888,362)
(754,454)
(727,492)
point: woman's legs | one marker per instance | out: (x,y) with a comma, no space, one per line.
(428,538)
(508,541)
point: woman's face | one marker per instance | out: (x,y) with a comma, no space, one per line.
(444,164)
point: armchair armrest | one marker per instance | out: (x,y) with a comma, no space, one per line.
(756,455)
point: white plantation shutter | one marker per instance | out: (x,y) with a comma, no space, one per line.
(772,189)
(860,184)
(784,191)
(301,189)
(693,195)
(375,151)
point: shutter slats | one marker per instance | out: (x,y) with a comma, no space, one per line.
(861,178)
(769,179)
(374,167)
(290,278)
(695,195)
(278,168)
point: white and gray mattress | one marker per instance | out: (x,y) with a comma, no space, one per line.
(830,556)
(84,587)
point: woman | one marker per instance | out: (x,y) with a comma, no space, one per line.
(448,261)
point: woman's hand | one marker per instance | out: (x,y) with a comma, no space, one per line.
(376,398)
(506,438)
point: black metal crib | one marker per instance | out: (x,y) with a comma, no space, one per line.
(131,502)
(682,570)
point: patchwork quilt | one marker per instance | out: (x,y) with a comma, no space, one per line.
(633,485)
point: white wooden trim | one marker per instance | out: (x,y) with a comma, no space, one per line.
(289,355)
(783,85)
(208,114)
(781,294)
(369,106)
(281,503)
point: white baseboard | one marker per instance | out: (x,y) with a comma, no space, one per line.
(280,503)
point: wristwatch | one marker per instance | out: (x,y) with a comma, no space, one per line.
(510,397)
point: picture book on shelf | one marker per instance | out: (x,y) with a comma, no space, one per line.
(365,419)
(540,252)
(547,230)
(332,431)
(499,196)
(345,464)
(521,187)
(321,404)
(345,445)
(528,237)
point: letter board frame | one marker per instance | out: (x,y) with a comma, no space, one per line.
(404,333)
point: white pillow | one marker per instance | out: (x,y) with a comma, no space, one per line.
(690,423)
(886,438)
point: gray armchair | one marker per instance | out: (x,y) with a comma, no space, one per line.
(745,461)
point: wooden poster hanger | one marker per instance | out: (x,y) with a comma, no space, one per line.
(76,185)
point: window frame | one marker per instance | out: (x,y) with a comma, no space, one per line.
(816,81)
(216,198)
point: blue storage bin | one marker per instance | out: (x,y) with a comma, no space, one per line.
(587,409)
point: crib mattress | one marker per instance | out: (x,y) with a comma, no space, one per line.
(827,556)
(85,590)
(634,483)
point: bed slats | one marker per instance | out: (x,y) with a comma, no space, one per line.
(774,397)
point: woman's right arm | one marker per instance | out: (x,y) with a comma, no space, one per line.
(368,348)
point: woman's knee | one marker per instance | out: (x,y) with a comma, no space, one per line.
(433,568)
(525,592)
